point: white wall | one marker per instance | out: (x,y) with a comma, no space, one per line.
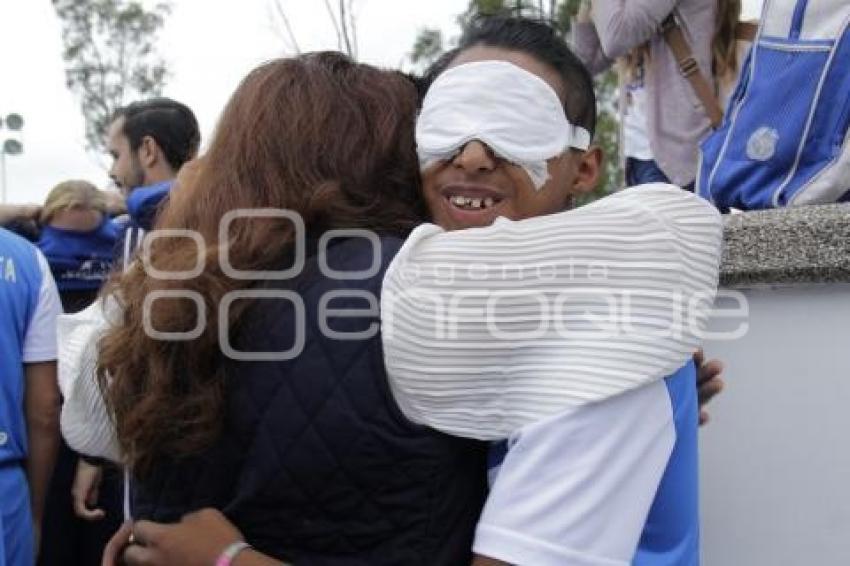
(776,455)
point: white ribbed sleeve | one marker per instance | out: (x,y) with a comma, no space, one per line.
(490,329)
(85,422)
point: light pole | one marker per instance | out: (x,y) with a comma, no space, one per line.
(11,146)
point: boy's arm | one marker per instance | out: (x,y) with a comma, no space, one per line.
(42,410)
(577,488)
(488,330)
(42,399)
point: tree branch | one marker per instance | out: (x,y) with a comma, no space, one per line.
(344,24)
(335,24)
(290,35)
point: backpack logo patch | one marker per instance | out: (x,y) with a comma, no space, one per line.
(762,144)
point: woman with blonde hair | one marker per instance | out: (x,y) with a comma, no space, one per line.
(663,119)
(78,238)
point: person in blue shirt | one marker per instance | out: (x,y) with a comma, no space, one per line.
(29,395)
(78,238)
(149,141)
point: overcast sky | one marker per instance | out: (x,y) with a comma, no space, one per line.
(210,46)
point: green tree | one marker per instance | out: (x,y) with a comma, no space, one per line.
(429,45)
(109,48)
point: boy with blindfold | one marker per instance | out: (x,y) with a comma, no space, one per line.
(609,482)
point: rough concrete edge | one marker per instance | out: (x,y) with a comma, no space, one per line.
(800,245)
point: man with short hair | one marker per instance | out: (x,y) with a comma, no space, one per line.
(29,399)
(149,142)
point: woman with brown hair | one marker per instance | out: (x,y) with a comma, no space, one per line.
(279,353)
(331,141)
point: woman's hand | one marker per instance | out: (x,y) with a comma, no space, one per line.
(197,540)
(116,545)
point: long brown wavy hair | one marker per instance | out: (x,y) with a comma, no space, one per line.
(724,45)
(319,135)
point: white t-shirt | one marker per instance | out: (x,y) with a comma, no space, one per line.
(40,340)
(614,482)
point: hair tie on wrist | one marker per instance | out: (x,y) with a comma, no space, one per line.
(229,554)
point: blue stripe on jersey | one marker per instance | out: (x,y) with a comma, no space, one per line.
(671,534)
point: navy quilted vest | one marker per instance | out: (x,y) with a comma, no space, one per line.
(317,465)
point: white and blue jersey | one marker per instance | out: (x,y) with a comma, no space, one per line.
(29,307)
(611,483)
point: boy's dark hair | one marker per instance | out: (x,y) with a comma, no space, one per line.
(171,124)
(537,38)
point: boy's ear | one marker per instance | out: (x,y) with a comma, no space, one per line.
(589,171)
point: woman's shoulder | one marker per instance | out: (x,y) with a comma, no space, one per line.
(356,254)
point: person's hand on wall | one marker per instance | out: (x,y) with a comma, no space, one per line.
(709,382)
(85,491)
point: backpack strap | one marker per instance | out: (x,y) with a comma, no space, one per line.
(746,31)
(688,66)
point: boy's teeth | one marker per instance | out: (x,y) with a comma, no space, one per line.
(472,202)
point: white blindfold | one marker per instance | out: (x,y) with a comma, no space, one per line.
(512,111)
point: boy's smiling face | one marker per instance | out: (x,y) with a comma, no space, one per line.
(474,187)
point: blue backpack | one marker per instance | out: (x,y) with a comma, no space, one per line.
(785,138)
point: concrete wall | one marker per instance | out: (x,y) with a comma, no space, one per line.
(776,455)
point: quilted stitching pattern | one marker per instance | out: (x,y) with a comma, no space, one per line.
(318,466)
